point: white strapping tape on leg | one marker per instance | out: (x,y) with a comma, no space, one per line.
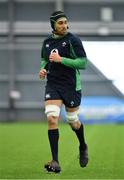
(72,116)
(52,110)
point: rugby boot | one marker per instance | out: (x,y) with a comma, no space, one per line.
(52,166)
(83,157)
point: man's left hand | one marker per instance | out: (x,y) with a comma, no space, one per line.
(55,57)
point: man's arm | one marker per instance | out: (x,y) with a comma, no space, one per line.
(43,63)
(44,60)
(77,63)
(79,59)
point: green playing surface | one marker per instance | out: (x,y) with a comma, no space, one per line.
(24,148)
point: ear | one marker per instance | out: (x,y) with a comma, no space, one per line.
(67,27)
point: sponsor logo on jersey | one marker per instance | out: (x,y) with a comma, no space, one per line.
(47,45)
(54,51)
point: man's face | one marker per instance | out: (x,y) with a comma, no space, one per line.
(61,26)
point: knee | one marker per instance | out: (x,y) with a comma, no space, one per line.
(75,126)
(52,112)
(73,120)
(72,117)
(52,120)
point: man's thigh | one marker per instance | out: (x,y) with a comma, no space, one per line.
(52,95)
(71,109)
(54,102)
(71,99)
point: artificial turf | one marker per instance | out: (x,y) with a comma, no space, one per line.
(24,148)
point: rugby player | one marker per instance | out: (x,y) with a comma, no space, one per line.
(62,56)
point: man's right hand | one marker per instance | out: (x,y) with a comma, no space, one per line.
(42,73)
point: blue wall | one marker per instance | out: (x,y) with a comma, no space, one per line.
(100,110)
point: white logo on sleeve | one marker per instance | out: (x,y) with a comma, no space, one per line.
(55,51)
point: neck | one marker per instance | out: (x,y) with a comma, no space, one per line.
(56,35)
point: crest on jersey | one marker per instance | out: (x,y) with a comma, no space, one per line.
(54,51)
(72,103)
(64,44)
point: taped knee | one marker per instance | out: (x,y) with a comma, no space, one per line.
(52,110)
(72,116)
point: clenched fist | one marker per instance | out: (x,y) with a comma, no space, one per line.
(55,57)
(42,73)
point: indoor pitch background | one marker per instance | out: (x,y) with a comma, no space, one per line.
(24,148)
